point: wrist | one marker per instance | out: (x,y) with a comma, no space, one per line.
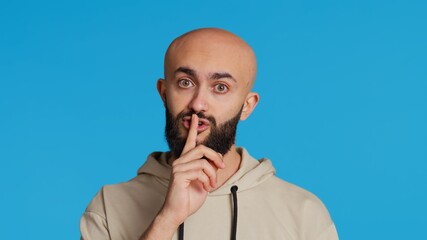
(168,219)
(161,228)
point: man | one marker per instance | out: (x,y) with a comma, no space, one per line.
(206,187)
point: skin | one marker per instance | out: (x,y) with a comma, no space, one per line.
(211,71)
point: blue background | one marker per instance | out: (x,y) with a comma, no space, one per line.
(343,112)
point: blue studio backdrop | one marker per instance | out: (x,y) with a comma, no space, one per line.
(343,113)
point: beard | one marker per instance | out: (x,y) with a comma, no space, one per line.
(220,139)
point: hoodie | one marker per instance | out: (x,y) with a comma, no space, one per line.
(268,207)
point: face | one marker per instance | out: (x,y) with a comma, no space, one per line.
(209,77)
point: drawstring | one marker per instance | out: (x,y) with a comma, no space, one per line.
(234,226)
(181,232)
(233,190)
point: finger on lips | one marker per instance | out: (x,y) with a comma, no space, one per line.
(192,134)
(198,162)
(191,144)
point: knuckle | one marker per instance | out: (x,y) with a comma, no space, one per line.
(204,147)
(202,176)
(204,164)
(201,147)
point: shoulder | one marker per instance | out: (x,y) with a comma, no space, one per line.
(291,194)
(291,190)
(308,210)
(142,187)
(125,208)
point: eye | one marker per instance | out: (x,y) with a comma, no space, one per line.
(221,88)
(185,83)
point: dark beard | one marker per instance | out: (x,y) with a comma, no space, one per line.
(220,139)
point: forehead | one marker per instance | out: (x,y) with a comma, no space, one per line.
(209,55)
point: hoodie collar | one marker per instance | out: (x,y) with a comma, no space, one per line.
(251,173)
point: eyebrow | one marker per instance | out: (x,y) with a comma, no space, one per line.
(215,76)
(220,75)
(190,72)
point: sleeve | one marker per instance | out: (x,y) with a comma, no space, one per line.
(317,223)
(93,224)
(329,234)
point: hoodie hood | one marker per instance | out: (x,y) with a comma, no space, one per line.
(251,173)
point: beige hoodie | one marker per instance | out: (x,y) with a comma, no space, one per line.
(268,207)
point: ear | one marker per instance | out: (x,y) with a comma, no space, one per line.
(250,103)
(161,88)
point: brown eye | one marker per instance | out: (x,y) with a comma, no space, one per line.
(185,83)
(221,88)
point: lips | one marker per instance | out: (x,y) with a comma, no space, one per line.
(202,126)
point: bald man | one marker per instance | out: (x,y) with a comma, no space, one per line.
(205,187)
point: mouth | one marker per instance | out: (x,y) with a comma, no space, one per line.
(201,127)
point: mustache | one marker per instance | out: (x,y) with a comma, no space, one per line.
(199,114)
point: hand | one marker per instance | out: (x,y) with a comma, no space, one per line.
(193,175)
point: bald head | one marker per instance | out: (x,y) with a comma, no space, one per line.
(214,50)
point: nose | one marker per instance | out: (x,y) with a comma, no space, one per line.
(199,101)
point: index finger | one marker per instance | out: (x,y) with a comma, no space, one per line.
(192,134)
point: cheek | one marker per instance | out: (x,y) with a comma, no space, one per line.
(176,102)
(228,113)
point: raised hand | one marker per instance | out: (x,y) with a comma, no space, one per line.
(193,175)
